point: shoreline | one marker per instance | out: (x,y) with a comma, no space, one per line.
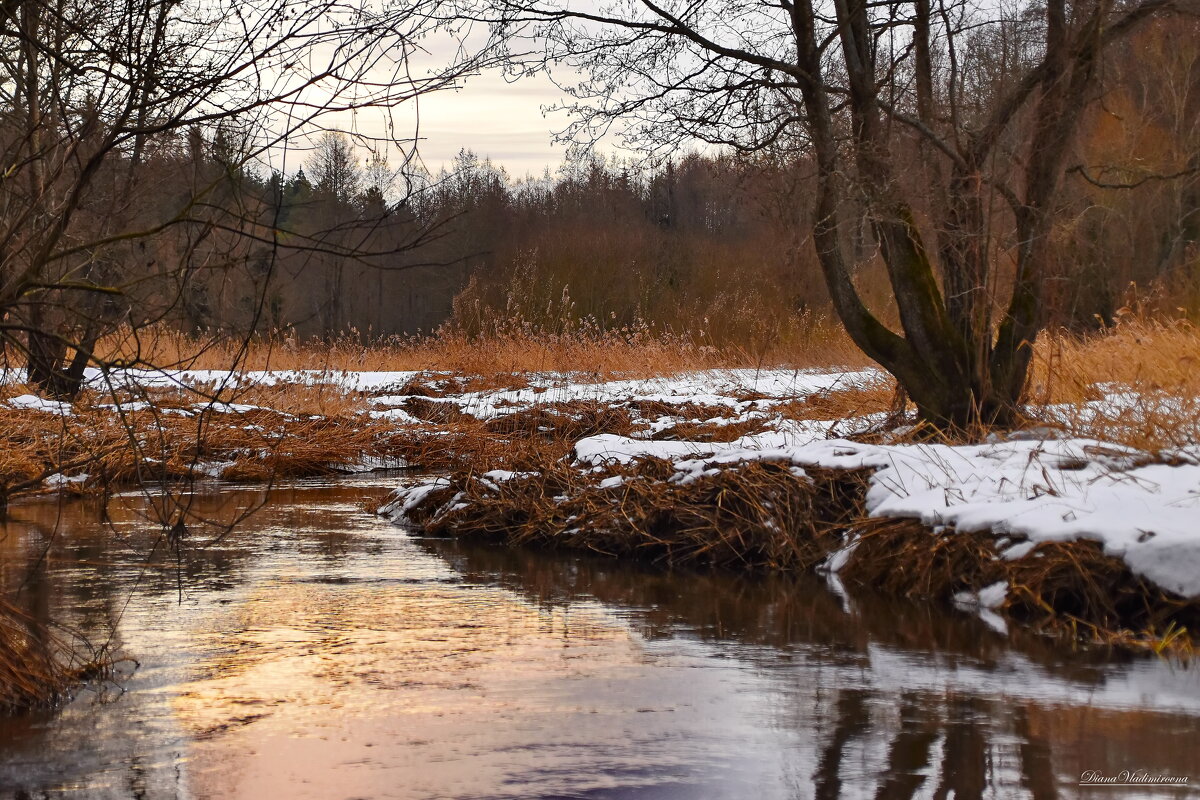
(760,470)
(811,524)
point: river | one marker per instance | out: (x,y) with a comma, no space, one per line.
(318,651)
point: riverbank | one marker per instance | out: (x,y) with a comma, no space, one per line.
(1081,522)
(1094,538)
(1067,536)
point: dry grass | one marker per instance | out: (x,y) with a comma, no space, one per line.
(1153,361)
(905,558)
(563,421)
(523,440)
(507,347)
(37,668)
(1138,353)
(179,435)
(858,401)
(1153,364)
(759,515)
(1059,587)
(689,431)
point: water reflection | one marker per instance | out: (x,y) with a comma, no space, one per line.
(318,652)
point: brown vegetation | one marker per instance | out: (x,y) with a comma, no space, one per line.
(1069,587)
(509,348)
(757,516)
(37,668)
(302,428)
(761,516)
(174,435)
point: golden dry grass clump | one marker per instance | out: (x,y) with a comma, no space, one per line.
(1150,367)
(755,515)
(563,421)
(521,440)
(1136,354)
(37,668)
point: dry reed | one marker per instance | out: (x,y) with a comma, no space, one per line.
(507,347)
(37,667)
(1137,383)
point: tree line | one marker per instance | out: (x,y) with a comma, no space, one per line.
(946,179)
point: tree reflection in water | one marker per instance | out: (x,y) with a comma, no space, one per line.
(320,652)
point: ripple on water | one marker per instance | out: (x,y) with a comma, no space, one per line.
(319,652)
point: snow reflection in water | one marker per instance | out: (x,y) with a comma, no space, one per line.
(320,652)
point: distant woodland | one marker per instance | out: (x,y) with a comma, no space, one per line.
(716,245)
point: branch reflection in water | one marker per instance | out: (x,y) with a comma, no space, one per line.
(321,652)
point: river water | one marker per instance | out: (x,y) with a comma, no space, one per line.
(319,652)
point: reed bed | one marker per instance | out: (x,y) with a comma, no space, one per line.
(1136,383)
(503,346)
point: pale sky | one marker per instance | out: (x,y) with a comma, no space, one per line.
(499,120)
(493,117)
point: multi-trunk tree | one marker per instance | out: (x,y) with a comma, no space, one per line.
(942,128)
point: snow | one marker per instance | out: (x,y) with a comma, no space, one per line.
(31,402)
(1033,490)
(989,597)
(212,469)
(408,499)
(1029,490)
(741,390)
(348,380)
(609,448)
(1053,491)
(60,481)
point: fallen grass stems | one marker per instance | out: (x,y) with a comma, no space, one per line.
(37,667)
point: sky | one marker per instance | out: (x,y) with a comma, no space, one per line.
(489,115)
(496,119)
(501,119)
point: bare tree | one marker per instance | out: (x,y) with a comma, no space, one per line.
(904,122)
(100,104)
(333,167)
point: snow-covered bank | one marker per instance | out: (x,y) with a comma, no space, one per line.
(1027,491)
(1023,491)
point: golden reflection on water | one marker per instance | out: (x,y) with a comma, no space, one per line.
(309,680)
(321,653)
